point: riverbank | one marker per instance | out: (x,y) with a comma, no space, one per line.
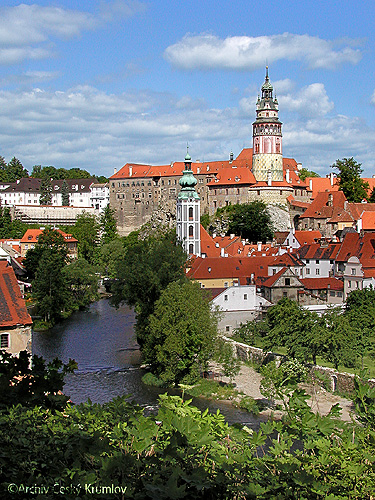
(248,382)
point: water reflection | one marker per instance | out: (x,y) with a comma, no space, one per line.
(101,340)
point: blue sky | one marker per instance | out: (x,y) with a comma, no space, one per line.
(98,84)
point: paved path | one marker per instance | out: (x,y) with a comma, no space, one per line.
(248,382)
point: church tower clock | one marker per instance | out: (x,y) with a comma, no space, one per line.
(267,137)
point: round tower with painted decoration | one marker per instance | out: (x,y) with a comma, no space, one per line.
(188,211)
(267,137)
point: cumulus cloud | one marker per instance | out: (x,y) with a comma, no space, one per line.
(100,131)
(207,51)
(309,101)
(27,31)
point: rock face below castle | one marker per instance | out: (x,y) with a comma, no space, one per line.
(138,192)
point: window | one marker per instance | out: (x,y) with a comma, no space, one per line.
(332,293)
(307,261)
(245,296)
(317,272)
(227,328)
(226,298)
(287,281)
(353,271)
(226,286)
(349,284)
(339,294)
(307,271)
(191,231)
(317,261)
(4,340)
(285,294)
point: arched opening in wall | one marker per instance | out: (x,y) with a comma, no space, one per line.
(191,213)
(191,248)
(296,221)
(191,231)
(267,145)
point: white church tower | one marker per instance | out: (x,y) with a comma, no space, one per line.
(188,211)
(267,137)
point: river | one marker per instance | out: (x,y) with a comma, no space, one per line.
(101,340)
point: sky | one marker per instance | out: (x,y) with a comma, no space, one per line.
(98,84)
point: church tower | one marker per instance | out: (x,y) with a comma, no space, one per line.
(267,137)
(188,211)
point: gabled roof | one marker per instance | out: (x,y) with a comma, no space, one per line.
(272,279)
(324,204)
(32,185)
(228,268)
(13,310)
(287,260)
(208,246)
(320,184)
(368,221)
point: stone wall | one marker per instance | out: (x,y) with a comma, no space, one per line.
(340,381)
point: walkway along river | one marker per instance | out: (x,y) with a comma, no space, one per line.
(101,340)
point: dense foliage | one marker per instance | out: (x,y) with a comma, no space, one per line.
(87,230)
(304,173)
(11,228)
(249,220)
(182,333)
(339,337)
(115,451)
(11,171)
(145,270)
(350,182)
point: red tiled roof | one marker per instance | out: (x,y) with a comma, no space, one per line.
(12,306)
(32,236)
(272,279)
(307,237)
(287,260)
(322,207)
(320,184)
(368,221)
(208,246)
(322,283)
(296,203)
(228,267)
(317,251)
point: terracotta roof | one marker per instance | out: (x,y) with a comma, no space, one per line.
(322,283)
(272,279)
(368,221)
(320,184)
(307,237)
(287,260)
(317,251)
(32,236)
(208,246)
(324,205)
(349,246)
(296,203)
(12,306)
(228,267)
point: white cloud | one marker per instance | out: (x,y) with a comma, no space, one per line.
(373,97)
(27,31)
(207,51)
(99,131)
(309,101)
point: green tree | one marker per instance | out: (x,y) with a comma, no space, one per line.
(86,231)
(339,338)
(251,221)
(50,239)
(82,282)
(145,271)
(49,287)
(3,166)
(110,255)
(65,194)
(182,333)
(108,225)
(350,182)
(294,328)
(45,191)
(15,170)
(304,173)
(31,384)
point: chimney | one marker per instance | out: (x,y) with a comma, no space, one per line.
(114,171)
(130,170)
(259,243)
(222,254)
(310,184)
(231,157)
(287,177)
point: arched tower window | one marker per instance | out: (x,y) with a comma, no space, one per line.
(191,213)
(191,231)
(191,248)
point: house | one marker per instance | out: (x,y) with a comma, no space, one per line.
(30,239)
(238,305)
(319,258)
(15,321)
(329,290)
(284,283)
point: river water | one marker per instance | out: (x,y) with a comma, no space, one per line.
(101,340)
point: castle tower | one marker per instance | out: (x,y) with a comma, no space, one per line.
(267,137)
(188,211)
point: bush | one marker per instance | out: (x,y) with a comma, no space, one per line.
(249,404)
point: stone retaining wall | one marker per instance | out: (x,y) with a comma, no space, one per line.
(340,381)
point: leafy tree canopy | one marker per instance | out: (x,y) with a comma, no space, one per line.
(182,333)
(108,225)
(304,173)
(12,171)
(250,220)
(82,281)
(51,172)
(50,239)
(86,231)
(146,269)
(350,182)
